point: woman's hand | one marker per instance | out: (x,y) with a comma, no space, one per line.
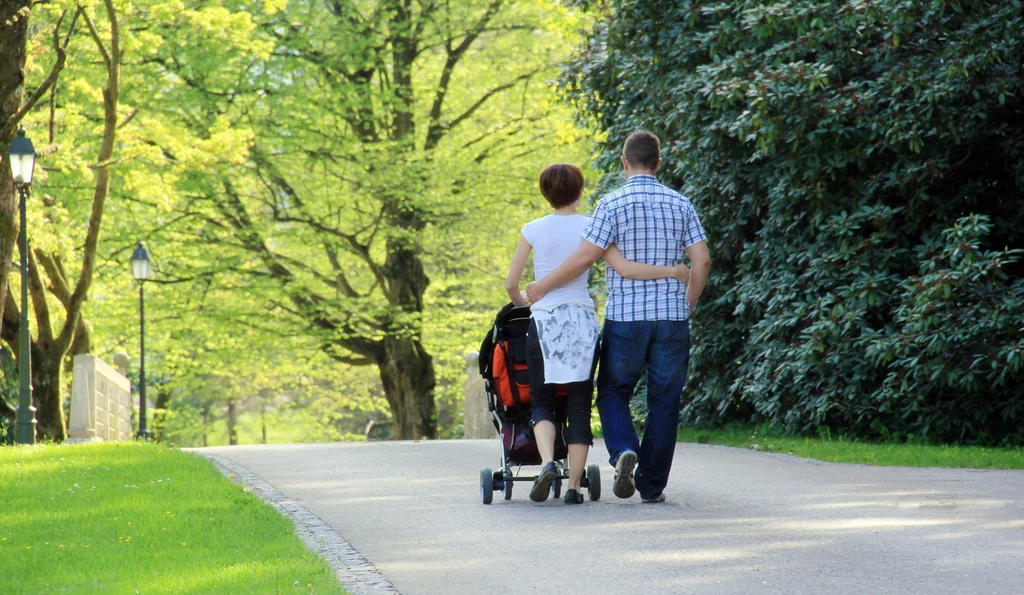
(681,272)
(534,292)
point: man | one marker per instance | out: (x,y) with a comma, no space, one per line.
(646,322)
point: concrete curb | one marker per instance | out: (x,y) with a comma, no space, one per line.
(356,573)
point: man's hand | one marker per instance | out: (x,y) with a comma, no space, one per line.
(681,273)
(574,266)
(535,292)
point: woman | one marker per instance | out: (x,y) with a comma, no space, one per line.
(562,338)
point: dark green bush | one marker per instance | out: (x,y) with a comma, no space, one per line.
(859,168)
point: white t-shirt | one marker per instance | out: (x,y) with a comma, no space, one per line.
(565,318)
(554,238)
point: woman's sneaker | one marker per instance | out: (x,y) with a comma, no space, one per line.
(623,485)
(542,485)
(573,497)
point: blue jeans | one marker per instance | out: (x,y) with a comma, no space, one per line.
(627,348)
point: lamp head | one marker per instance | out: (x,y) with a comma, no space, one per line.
(140,262)
(23,158)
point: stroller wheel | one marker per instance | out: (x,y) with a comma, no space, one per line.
(594,482)
(508,486)
(486,486)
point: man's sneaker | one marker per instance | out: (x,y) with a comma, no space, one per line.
(623,485)
(573,497)
(542,485)
(655,499)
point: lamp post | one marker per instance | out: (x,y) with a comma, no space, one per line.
(140,268)
(23,161)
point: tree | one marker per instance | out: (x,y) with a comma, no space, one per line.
(859,167)
(46,395)
(14,105)
(80,164)
(375,136)
(14,16)
(50,349)
(297,198)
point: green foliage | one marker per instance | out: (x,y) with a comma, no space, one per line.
(121,518)
(859,168)
(956,334)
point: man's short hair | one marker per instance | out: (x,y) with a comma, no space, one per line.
(561,184)
(643,150)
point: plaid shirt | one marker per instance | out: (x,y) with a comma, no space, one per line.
(650,224)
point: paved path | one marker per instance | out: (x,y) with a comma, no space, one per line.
(735,522)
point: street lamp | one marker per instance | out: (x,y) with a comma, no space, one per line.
(140,268)
(23,162)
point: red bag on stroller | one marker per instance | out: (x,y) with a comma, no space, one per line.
(511,379)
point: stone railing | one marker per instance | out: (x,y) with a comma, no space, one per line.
(477,419)
(101,401)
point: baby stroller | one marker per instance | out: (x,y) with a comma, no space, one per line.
(503,367)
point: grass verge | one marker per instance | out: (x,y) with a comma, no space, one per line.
(142,518)
(849,451)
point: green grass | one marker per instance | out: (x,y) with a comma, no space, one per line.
(847,451)
(142,518)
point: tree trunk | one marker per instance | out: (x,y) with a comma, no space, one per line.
(206,422)
(8,228)
(46,374)
(163,397)
(47,380)
(232,423)
(407,373)
(263,419)
(13,34)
